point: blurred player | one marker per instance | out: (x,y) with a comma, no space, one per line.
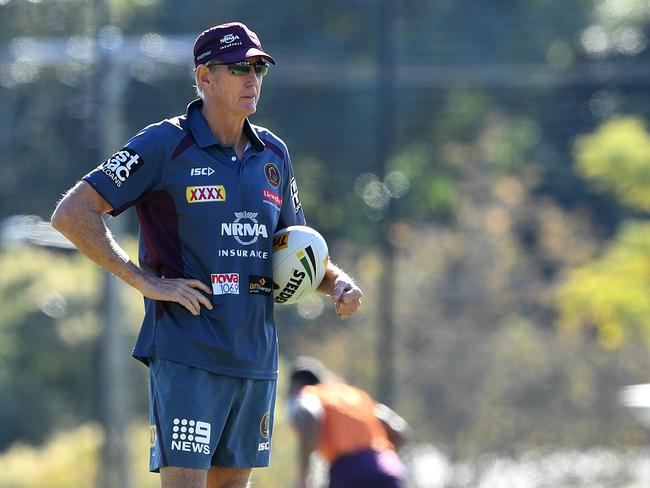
(355,434)
(209,189)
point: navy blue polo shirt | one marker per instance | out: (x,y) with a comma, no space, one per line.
(207,215)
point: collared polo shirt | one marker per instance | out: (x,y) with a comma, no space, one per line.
(205,214)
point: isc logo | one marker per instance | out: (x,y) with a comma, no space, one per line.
(201,171)
(225,283)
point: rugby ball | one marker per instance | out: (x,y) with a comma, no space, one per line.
(300,257)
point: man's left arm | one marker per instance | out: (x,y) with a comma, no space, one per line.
(397,429)
(306,417)
(342,289)
(345,294)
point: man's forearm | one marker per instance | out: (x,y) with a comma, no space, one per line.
(88,232)
(333,274)
(79,217)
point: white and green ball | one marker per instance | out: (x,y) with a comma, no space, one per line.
(300,257)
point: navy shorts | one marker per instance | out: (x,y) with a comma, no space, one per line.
(201,419)
(368,469)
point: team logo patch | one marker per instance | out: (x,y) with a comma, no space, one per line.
(280,241)
(121,165)
(152,436)
(245,228)
(264,432)
(264,425)
(200,194)
(225,283)
(259,285)
(274,198)
(294,195)
(272,174)
(191,436)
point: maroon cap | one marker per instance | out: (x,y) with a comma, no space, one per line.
(228,43)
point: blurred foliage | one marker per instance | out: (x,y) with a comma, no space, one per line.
(68,460)
(426,186)
(612,292)
(616,158)
(46,334)
(48,341)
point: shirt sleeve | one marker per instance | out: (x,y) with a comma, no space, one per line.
(291,212)
(132,171)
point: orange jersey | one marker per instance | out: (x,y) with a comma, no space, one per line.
(349,423)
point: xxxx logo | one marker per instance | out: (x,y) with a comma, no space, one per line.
(199,194)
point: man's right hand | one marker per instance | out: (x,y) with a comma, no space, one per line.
(180,290)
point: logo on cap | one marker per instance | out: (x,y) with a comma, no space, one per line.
(228,38)
(207,53)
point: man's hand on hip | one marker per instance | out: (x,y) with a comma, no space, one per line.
(186,292)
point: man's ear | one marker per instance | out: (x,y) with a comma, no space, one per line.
(202,76)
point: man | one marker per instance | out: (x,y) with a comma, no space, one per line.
(356,435)
(209,189)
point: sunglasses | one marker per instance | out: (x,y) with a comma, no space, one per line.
(242,68)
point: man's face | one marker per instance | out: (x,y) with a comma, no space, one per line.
(234,93)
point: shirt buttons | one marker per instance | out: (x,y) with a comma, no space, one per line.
(233,158)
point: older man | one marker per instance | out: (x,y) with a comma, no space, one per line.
(209,189)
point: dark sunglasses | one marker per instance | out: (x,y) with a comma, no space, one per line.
(242,68)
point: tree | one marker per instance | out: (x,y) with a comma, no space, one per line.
(612,292)
(615,159)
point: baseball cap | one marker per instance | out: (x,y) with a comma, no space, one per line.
(228,43)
